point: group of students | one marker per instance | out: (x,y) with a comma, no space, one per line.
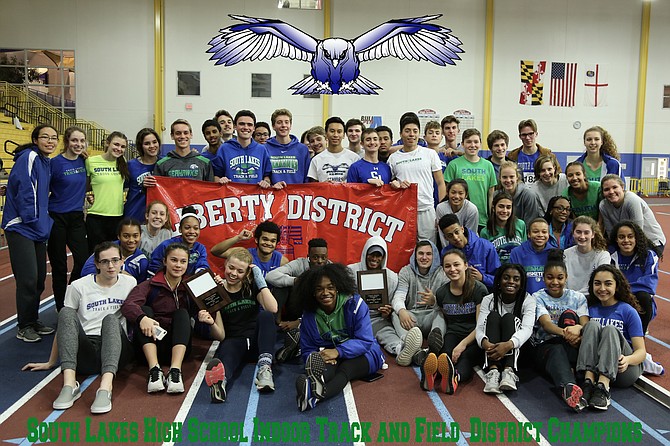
(45,201)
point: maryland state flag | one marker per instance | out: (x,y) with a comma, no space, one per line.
(532,82)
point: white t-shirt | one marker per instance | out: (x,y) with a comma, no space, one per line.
(417,167)
(94,302)
(331,166)
(580,266)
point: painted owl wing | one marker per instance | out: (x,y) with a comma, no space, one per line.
(259,39)
(411,39)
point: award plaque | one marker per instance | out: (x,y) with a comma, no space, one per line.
(373,288)
(205,292)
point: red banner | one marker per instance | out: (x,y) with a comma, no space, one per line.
(345,215)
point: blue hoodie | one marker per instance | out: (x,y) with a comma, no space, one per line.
(135,264)
(533,262)
(481,254)
(290,162)
(240,164)
(612,165)
(640,277)
(197,257)
(361,340)
(26,210)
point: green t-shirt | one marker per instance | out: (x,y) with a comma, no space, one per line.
(480,176)
(107,185)
(503,244)
(588,206)
(593,175)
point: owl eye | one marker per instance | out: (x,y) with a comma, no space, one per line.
(344,53)
(327,53)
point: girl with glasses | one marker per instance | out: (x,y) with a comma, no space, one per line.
(559,215)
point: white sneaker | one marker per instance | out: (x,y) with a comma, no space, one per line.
(492,381)
(652,368)
(156,380)
(175,383)
(264,381)
(508,379)
(413,341)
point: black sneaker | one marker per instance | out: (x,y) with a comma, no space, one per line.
(215,377)
(572,395)
(419,357)
(435,341)
(43,330)
(304,393)
(601,397)
(315,366)
(291,348)
(28,334)
(587,388)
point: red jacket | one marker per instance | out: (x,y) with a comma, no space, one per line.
(157,294)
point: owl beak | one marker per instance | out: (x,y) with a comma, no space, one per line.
(335,62)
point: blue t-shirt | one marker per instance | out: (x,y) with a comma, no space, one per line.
(622,316)
(554,307)
(527,165)
(136,200)
(361,171)
(266,267)
(68,185)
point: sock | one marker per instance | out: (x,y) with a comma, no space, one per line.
(265,359)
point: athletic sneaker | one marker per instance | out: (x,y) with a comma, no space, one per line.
(291,348)
(28,334)
(573,396)
(315,366)
(508,379)
(215,377)
(304,393)
(413,341)
(435,341)
(652,368)
(264,381)
(43,330)
(156,380)
(420,356)
(175,382)
(587,392)
(449,374)
(429,372)
(601,397)
(492,381)
(67,397)
(102,402)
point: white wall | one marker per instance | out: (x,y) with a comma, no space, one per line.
(113,44)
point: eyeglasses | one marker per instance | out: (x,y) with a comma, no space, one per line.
(526,135)
(561,209)
(261,135)
(48,138)
(112,261)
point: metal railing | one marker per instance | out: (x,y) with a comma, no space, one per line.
(19,102)
(649,187)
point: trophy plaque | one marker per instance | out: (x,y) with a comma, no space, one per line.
(373,288)
(205,292)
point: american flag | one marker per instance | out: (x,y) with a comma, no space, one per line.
(563,83)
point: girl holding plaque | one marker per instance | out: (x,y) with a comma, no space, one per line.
(336,337)
(245,327)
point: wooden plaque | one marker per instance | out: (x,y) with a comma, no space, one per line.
(205,292)
(373,288)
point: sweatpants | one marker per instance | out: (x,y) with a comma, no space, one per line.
(501,329)
(29,265)
(425,225)
(288,304)
(68,231)
(338,375)
(384,332)
(426,320)
(471,356)
(101,228)
(90,354)
(600,351)
(556,357)
(234,352)
(179,333)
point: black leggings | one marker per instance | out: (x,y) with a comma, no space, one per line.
(233,352)
(337,376)
(68,231)
(471,356)
(101,228)
(646,303)
(178,334)
(501,329)
(556,357)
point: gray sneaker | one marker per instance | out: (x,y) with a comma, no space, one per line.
(508,379)
(264,382)
(413,341)
(43,330)
(492,382)
(102,402)
(28,334)
(67,397)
